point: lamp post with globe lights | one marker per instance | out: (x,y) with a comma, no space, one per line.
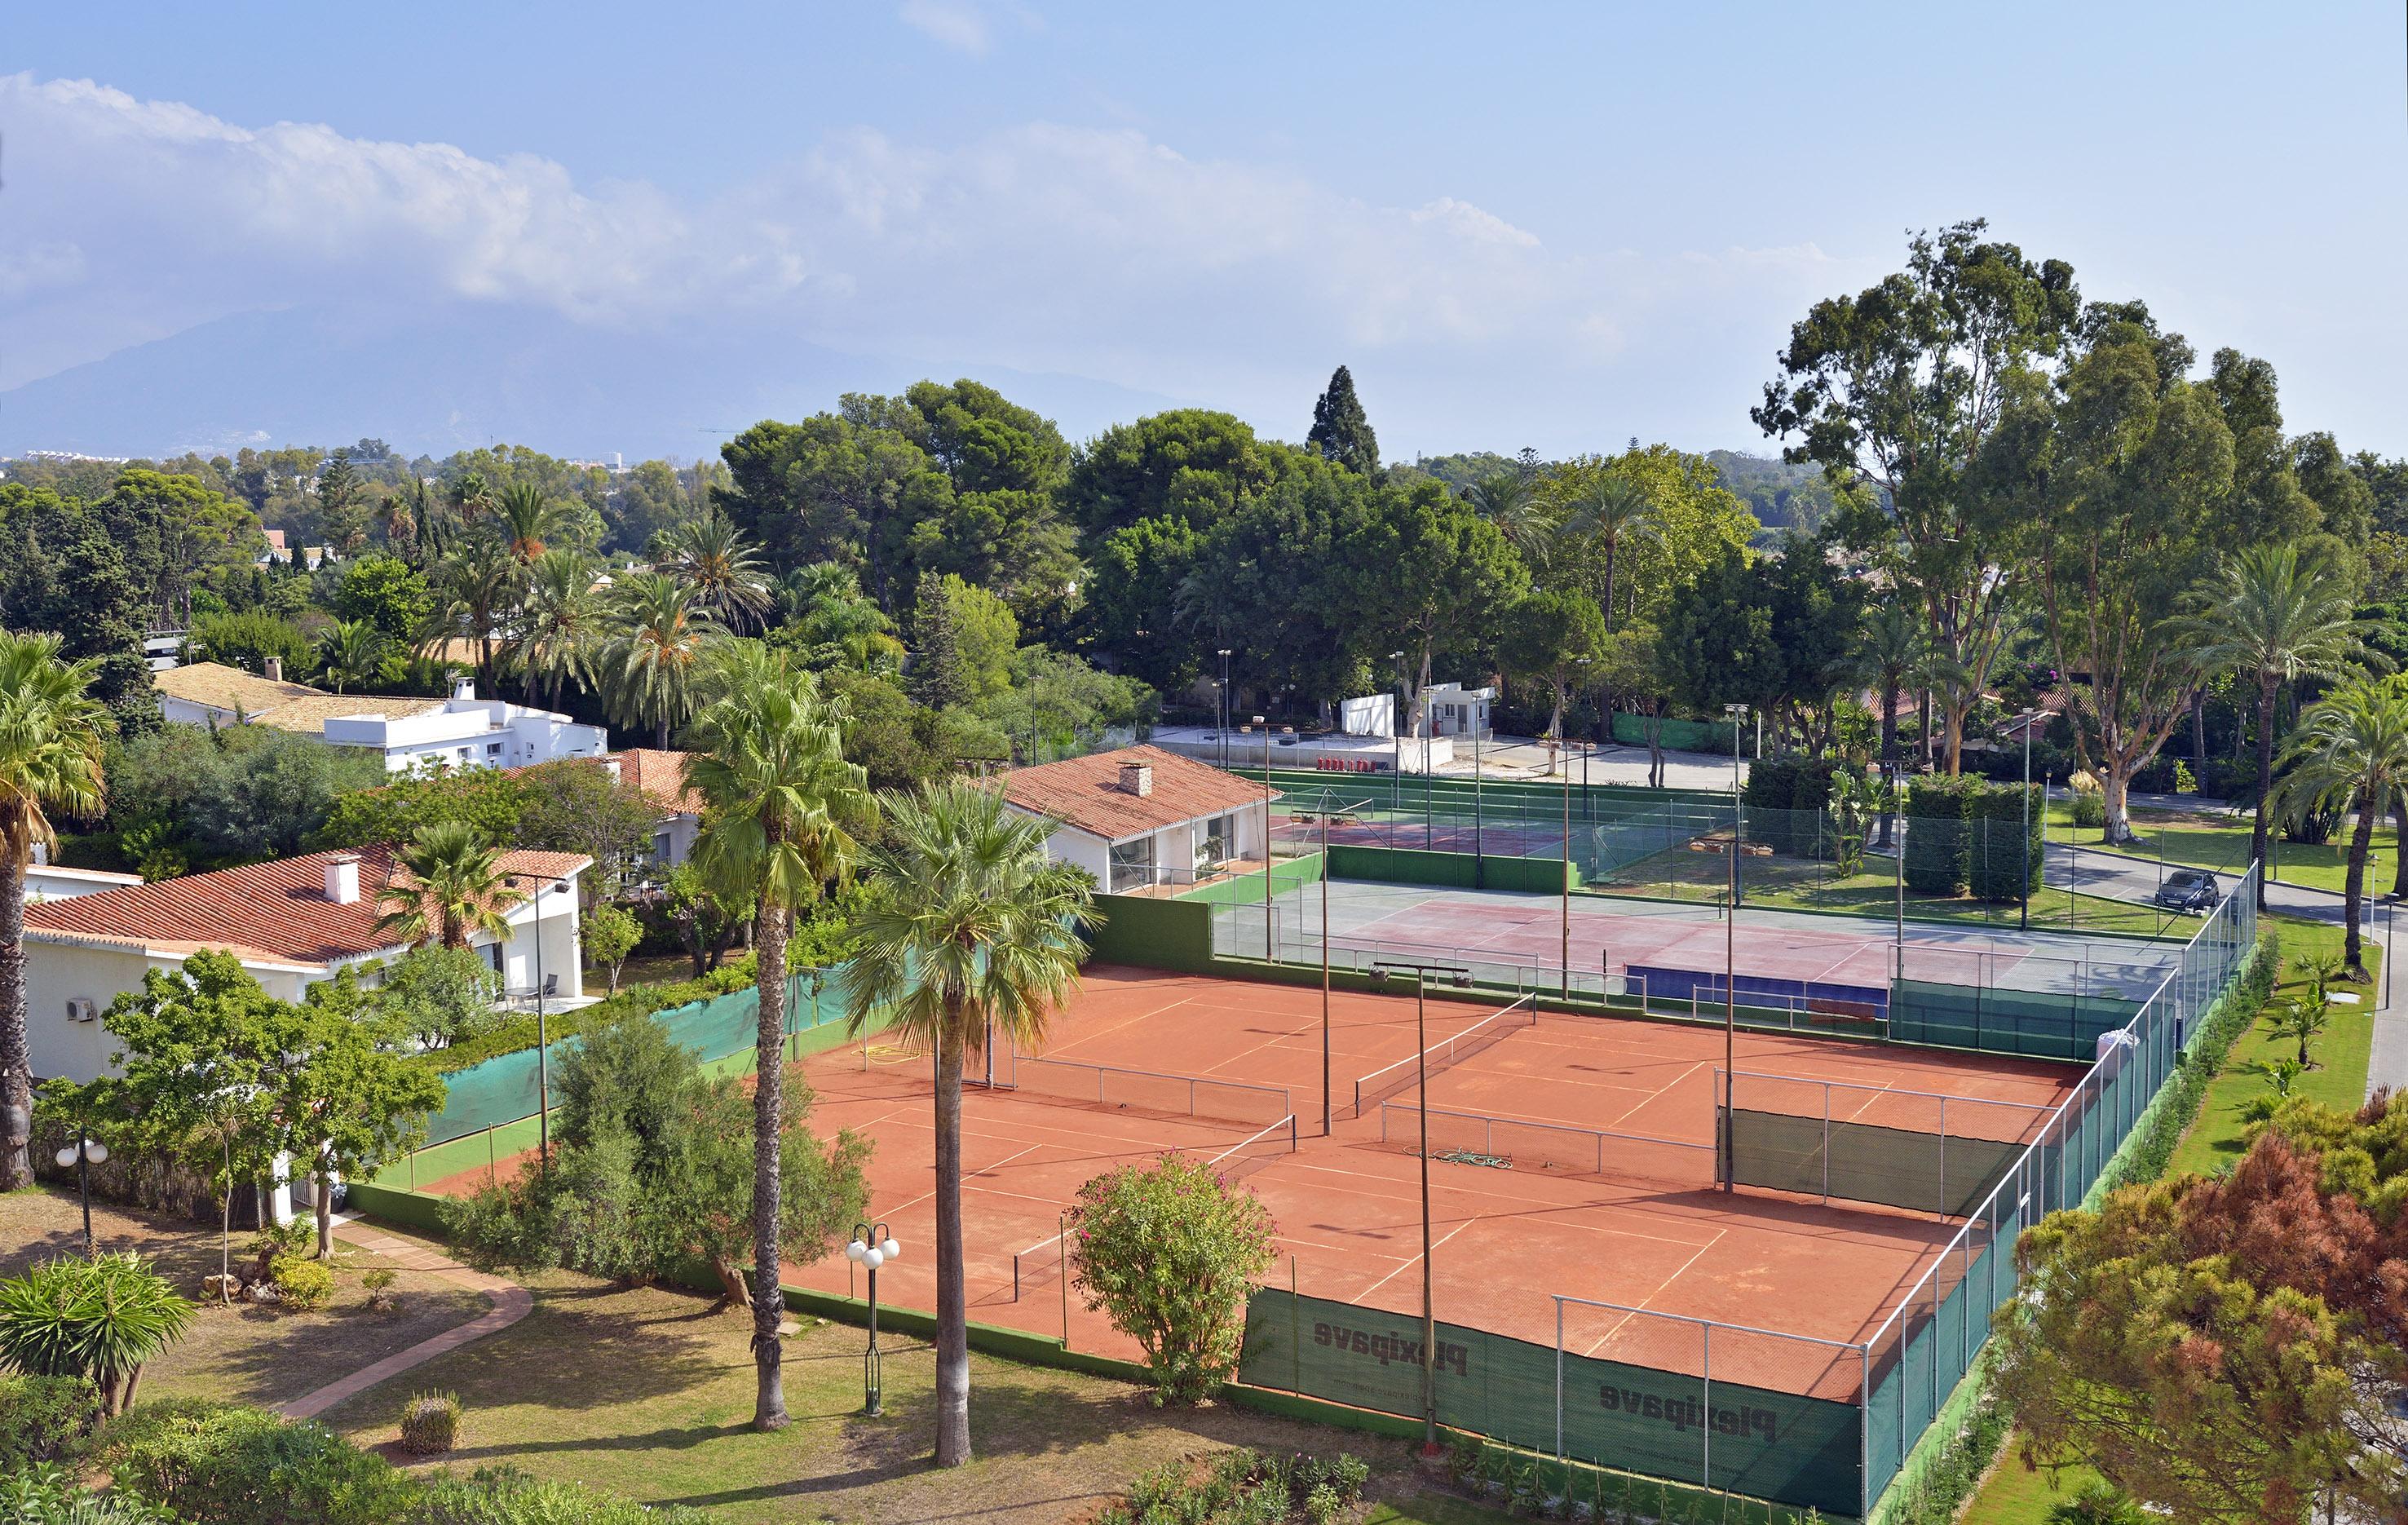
(83,1153)
(872,1245)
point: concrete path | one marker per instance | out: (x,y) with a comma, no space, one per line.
(511,1302)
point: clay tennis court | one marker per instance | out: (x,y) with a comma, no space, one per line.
(1639,1223)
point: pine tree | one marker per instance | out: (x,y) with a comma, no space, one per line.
(937,679)
(1341,430)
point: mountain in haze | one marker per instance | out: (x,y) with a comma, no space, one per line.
(446,378)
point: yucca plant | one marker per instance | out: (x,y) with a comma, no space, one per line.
(103,1318)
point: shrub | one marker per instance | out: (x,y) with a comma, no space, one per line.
(223,1464)
(430,1423)
(42,1417)
(506,1496)
(304,1284)
(2005,864)
(1937,862)
(102,1319)
(1243,1488)
(2186,782)
(1167,1250)
(378,1285)
(47,1494)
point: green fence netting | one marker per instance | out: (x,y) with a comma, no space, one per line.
(2046,1024)
(1864,1162)
(504,1089)
(1684,1426)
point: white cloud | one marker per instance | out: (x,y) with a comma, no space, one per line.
(1045,247)
(949,21)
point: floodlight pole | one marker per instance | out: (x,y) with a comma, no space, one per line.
(2024,890)
(1325,963)
(1460,975)
(1224,708)
(1397,744)
(1730,947)
(542,1036)
(1270,915)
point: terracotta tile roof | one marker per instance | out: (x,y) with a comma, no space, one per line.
(1086,793)
(660,776)
(273,701)
(274,912)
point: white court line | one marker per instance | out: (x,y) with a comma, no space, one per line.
(1642,1305)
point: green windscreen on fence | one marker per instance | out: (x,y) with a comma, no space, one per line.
(1686,1428)
(1862,1162)
(2046,1024)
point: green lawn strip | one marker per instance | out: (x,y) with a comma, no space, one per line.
(1876,895)
(1434,1509)
(2339,1079)
(2011,1495)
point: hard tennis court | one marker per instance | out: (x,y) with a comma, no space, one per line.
(1570,1155)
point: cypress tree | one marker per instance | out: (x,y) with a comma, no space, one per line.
(937,680)
(1340,429)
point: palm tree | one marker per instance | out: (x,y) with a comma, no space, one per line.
(527,519)
(354,654)
(1511,502)
(1889,642)
(2277,614)
(450,887)
(51,731)
(652,664)
(559,625)
(472,498)
(2350,750)
(714,557)
(967,934)
(834,621)
(1606,512)
(103,1320)
(481,584)
(781,812)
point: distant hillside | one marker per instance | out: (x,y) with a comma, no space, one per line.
(1780,496)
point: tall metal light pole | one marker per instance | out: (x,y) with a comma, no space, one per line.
(1324,962)
(1225,709)
(873,1245)
(1587,747)
(1568,874)
(1457,975)
(2024,890)
(1396,741)
(1730,947)
(1270,913)
(542,1034)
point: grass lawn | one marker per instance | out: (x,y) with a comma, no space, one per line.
(2011,1495)
(649,1392)
(244,1354)
(2220,839)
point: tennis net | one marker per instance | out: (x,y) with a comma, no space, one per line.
(1481,1036)
(1144,1090)
(1471,1138)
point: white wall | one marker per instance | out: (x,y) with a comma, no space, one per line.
(49,882)
(1068,844)
(55,972)
(560,946)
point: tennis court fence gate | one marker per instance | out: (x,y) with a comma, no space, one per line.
(1802,1421)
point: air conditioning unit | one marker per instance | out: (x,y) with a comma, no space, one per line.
(81,1009)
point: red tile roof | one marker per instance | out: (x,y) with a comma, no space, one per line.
(1086,793)
(276,912)
(661,777)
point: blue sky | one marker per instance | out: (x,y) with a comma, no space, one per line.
(1548,225)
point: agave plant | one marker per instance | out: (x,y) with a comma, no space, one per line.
(103,1318)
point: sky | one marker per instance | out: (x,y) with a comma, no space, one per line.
(1560,226)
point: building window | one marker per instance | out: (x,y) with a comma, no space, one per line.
(492,749)
(1216,846)
(1132,865)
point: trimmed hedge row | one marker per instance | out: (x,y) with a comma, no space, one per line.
(1966,833)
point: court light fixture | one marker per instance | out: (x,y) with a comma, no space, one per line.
(872,1245)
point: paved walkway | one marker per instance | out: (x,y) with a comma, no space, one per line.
(511,1302)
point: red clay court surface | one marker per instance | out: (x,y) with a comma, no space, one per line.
(1347,1206)
(1646,1234)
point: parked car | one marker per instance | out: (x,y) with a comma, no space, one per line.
(2189,889)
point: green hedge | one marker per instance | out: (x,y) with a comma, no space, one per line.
(2003,849)
(1936,859)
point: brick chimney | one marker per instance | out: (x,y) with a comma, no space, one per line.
(275,669)
(343,878)
(1137,779)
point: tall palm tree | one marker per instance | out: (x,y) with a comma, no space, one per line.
(1611,511)
(2350,750)
(354,654)
(472,498)
(559,626)
(2277,614)
(51,731)
(713,556)
(450,887)
(782,811)
(482,586)
(1511,502)
(835,621)
(527,519)
(663,632)
(966,932)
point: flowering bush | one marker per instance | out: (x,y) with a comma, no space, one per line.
(1169,1251)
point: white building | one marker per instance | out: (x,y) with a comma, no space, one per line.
(292,922)
(1141,817)
(46,881)
(1452,710)
(462,731)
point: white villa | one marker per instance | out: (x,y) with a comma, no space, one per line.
(462,731)
(1141,817)
(292,922)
